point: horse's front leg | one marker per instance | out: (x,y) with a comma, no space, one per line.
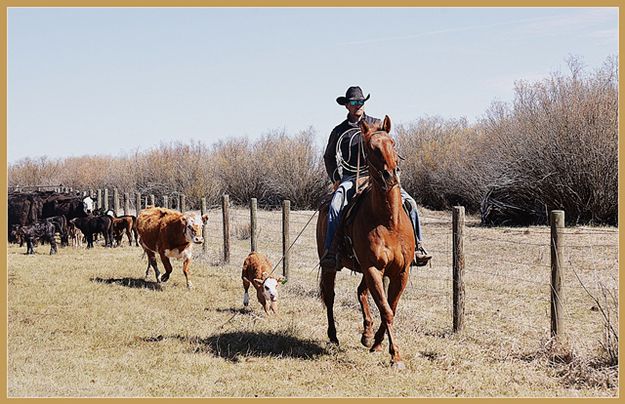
(367,321)
(373,278)
(395,289)
(327,295)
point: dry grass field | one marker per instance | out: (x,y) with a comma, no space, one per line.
(87,323)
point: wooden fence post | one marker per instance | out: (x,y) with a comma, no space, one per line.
(286,240)
(205,226)
(116,201)
(557,224)
(126,203)
(99,198)
(152,200)
(165,201)
(137,203)
(225,201)
(183,203)
(106,199)
(458,268)
(253,208)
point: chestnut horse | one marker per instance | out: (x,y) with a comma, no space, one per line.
(382,240)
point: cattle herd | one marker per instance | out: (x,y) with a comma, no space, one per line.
(36,217)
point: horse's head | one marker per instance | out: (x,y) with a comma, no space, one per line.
(382,159)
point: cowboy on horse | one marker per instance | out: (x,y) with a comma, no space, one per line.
(344,162)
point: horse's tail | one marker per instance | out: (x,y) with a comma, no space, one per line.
(326,287)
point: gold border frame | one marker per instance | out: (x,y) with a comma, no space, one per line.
(276,3)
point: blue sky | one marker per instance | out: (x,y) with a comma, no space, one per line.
(85,81)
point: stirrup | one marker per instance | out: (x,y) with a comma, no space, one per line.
(421,256)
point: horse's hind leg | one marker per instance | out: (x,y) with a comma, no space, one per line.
(367,321)
(327,295)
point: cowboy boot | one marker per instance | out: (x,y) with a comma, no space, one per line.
(421,256)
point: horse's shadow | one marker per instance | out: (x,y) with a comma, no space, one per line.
(232,346)
(137,283)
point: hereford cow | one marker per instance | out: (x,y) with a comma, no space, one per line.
(42,231)
(256,271)
(91,225)
(124,224)
(170,234)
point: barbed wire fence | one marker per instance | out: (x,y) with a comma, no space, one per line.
(519,286)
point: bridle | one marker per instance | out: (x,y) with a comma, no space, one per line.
(386,179)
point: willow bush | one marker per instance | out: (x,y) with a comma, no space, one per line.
(553,147)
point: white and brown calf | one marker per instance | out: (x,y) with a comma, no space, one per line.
(256,270)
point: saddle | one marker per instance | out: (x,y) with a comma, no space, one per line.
(343,244)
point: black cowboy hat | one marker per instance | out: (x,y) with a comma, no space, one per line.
(352,93)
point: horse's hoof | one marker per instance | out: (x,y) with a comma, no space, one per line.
(334,341)
(366,341)
(164,277)
(376,347)
(399,365)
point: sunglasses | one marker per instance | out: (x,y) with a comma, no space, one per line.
(357,102)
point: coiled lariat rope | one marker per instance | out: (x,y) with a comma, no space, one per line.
(343,164)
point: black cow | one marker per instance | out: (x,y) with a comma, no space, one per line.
(91,225)
(60,226)
(43,231)
(14,234)
(68,206)
(24,208)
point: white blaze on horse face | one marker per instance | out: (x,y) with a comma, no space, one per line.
(270,289)
(193,230)
(87,204)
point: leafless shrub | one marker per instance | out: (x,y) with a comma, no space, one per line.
(557,144)
(292,169)
(442,166)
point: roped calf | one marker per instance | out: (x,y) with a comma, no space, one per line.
(256,271)
(170,234)
(43,231)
